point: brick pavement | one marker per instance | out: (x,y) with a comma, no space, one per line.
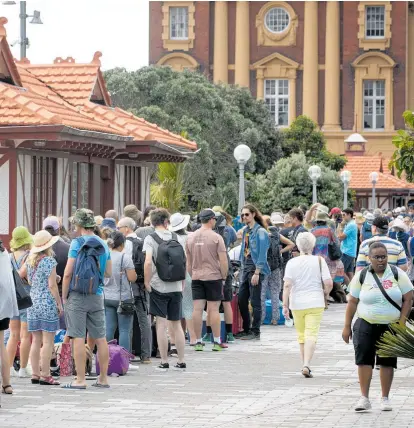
(252,384)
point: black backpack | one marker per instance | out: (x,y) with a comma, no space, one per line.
(138,257)
(171,261)
(274,257)
(366,269)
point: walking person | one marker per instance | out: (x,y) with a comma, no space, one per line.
(83,298)
(208,267)
(164,278)
(254,268)
(8,310)
(20,245)
(273,281)
(134,247)
(117,290)
(347,233)
(380,294)
(43,316)
(306,283)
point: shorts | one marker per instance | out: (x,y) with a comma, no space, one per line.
(228,289)
(212,291)
(166,305)
(4,324)
(349,263)
(22,317)
(365,337)
(85,312)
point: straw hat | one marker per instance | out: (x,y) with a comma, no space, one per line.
(42,241)
(359,218)
(20,237)
(322,213)
(179,221)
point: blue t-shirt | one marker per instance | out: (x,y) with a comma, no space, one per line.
(74,250)
(230,236)
(349,244)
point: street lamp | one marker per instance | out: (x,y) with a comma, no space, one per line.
(374,178)
(24,41)
(242,154)
(346,178)
(314,173)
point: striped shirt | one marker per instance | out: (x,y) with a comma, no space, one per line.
(396,253)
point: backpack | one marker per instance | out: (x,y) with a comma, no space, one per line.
(138,257)
(87,277)
(171,261)
(274,257)
(366,231)
(365,270)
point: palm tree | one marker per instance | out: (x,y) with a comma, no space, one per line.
(399,342)
(167,190)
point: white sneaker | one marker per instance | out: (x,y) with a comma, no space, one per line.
(132,367)
(363,405)
(24,372)
(13,372)
(385,404)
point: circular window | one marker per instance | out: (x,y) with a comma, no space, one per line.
(277,20)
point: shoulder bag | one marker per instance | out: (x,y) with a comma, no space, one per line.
(23,298)
(334,250)
(127,306)
(384,293)
(323,285)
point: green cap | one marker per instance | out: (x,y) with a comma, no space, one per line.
(84,218)
(20,237)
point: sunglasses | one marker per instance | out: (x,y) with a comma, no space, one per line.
(245,215)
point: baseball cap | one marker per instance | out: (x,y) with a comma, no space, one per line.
(334,211)
(207,214)
(52,222)
(381,222)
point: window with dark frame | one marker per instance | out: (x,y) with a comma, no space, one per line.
(374,104)
(43,190)
(375,22)
(178,23)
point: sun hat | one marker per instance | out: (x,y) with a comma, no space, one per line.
(276,219)
(399,224)
(42,241)
(133,212)
(207,214)
(98,220)
(359,218)
(84,218)
(52,222)
(179,221)
(218,208)
(322,213)
(334,211)
(109,222)
(369,217)
(20,237)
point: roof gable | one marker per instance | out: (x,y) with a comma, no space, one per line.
(276,58)
(8,69)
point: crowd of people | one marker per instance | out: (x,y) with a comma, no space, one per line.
(170,270)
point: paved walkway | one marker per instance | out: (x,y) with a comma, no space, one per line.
(252,384)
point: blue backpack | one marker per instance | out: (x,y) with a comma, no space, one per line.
(87,277)
(366,231)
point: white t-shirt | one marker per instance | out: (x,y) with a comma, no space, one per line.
(305,276)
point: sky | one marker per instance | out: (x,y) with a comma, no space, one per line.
(79,28)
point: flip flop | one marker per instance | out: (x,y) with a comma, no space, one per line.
(72,386)
(100,385)
(306,371)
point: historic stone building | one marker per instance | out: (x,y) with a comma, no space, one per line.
(347,65)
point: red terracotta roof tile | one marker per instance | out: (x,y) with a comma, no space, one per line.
(362,166)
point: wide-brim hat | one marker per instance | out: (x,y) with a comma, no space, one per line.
(277,219)
(84,218)
(20,237)
(42,240)
(179,221)
(399,225)
(322,213)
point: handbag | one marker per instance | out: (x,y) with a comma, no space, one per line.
(323,285)
(23,298)
(127,306)
(334,250)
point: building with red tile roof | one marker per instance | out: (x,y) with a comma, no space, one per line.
(63,145)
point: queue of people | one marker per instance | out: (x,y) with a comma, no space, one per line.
(166,270)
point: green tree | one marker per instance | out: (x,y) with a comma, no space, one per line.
(303,136)
(403,158)
(287,184)
(167,189)
(216,117)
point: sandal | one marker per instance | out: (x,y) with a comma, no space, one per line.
(48,380)
(306,371)
(35,379)
(7,387)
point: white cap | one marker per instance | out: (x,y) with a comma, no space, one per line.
(276,218)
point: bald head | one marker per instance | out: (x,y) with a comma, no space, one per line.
(112,214)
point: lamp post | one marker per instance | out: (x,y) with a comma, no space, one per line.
(24,41)
(314,173)
(374,178)
(346,178)
(242,154)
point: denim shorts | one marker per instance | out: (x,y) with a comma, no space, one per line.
(22,317)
